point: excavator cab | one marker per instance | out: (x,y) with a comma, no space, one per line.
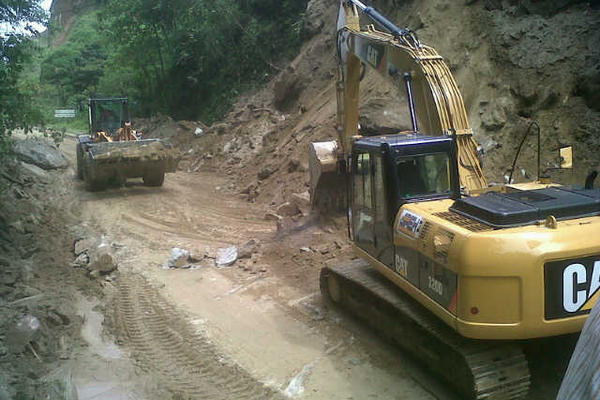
(389,171)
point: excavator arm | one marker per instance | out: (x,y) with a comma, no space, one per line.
(435,103)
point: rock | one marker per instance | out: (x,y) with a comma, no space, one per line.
(82,260)
(249,189)
(102,261)
(178,258)
(248,249)
(288,209)
(588,86)
(493,115)
(81,245)
(35,172)
(294,165)
(265,172)
(288,87)
(9,277)
(226,256)
(22,333)
(271,216)
(314,19)
(302,201)
(41,154)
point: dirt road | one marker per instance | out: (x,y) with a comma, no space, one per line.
(254,330)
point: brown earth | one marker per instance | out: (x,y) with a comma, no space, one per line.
(258,329)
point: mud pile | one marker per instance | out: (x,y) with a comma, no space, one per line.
(39,326)
(514,62)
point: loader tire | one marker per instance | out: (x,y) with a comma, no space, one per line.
(154,177)
(92,182)
(79,151)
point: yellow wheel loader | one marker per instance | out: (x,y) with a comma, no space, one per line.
(113,151)
(452,270)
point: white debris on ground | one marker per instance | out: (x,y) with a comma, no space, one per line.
(226,256)
(179,258)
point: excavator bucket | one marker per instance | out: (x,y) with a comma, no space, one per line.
(328,188)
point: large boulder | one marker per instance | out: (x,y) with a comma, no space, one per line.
(40,153)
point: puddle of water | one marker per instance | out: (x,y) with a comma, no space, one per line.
(103,371)
(91,330)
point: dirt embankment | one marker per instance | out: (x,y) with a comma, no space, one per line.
(515,62)
(39,325)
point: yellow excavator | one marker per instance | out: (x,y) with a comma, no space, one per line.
(113,151)
(452,270)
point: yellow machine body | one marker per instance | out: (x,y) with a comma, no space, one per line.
(485,282)
(499,287)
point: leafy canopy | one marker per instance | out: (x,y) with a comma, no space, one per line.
(16,19)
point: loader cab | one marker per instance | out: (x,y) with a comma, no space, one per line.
(389,171)
(107,114)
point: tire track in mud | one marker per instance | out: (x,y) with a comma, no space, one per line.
(165,343)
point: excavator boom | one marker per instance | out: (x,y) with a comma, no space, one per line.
(435,103)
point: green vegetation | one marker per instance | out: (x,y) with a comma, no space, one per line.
(16,108)
(185,58)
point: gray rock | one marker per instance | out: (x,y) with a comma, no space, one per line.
(102,261)
(179,258)
(302,201)
(226,256)
(22,333)
(82,260)
(41,154)
(314,19)
(35,172)
(265,172)
(247,249)
(81,246)
(288,209)
(271,216)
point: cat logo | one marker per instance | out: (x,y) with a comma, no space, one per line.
(579,293)
(374,55)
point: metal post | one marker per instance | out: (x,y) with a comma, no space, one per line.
(411,103)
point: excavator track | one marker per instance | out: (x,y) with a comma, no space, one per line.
(477,369)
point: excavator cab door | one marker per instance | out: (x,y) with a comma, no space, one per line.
(369,206)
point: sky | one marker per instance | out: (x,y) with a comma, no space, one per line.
(5,28)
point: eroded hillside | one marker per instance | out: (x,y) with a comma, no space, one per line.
(514,62)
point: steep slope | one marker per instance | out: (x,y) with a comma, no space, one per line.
(514,62)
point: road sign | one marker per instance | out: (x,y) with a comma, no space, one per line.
(64,113)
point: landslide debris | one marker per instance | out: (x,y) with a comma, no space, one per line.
(39,324)
(515,61)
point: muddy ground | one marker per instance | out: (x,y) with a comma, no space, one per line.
(259,328)
(254,330)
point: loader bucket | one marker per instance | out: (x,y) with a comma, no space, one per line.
(327,185)
(117,161)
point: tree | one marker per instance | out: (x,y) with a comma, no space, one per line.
(16,109)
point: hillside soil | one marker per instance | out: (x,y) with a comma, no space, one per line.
(129,327)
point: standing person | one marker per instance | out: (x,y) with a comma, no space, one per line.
(582,379)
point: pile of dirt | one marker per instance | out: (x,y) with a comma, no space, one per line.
(39,326)
(514,61)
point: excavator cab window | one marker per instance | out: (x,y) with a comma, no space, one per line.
(423,175)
